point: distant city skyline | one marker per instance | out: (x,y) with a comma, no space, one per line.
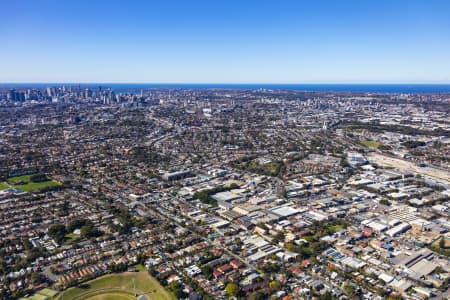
(233,42)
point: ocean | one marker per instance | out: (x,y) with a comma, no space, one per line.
(365,88)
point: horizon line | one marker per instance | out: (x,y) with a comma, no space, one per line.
(231,83)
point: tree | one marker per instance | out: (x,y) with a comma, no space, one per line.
(120,267)
(274,285)
(2,266)
(26,244)
(36,278)
(326,296)
(238,242)
(413,144)
(349,290)
(76,224)
(232,289)
(258,295)
(57,232)
(175,288)
(206,270)
(385,202)
(89,231)
(279,237)
(442,243)
(38,178)
(233,186)
(344,163)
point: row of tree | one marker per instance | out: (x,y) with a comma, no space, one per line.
(87,230)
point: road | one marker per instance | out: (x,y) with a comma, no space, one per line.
(199,235)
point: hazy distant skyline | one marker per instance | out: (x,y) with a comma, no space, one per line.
(382,41)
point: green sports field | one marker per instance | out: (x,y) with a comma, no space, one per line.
(371,144)
(112,296)
(25,178)
(33,186)
(3,186)
(27,185)
(119,286)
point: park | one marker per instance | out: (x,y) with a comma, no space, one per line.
(119,286)
(29,183)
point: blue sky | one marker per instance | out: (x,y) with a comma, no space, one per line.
(225,41)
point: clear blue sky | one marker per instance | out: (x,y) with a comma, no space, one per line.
(225,41)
